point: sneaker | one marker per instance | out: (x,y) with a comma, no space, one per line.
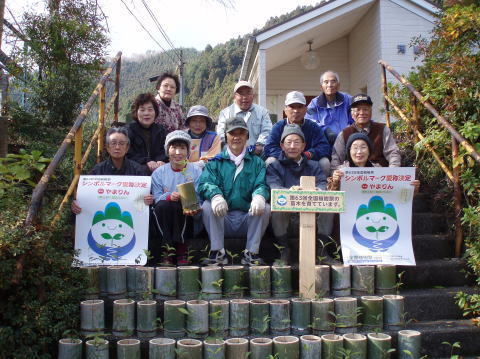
(216,258)
(251,259)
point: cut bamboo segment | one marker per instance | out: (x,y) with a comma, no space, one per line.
(409,344)
(146,318)
(279,317)
(372,312)
(70,349)
(236,348)
(363,280)
(393,312)
(188,282)
(212,282)
(131,281)
(341,283)
(116,282)
(239,317)
(213,349)
(197,318)
(97,349)
(385,279)
(128,349)
(93,281)
(92,316)
(123,317)
(259,316)
(301,315)
(233,283)
(259,278)
(356,345)
(174,318)
(346,315)
(332,346)
(379,345)
(282,281)
(310,347)
(219,318)
(261,348)
(322,280)
(322,319)
(144,282)
(166,283)
(287,347)
(189,349)
(102,276)
(161,348)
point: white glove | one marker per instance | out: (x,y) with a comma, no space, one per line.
(219,206)
(257,207)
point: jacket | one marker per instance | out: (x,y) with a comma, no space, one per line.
(218,178)
(286,173)
(139,151)
(208,145)
(315,140)
(165,180)
(257,119)
(129,168)
(171,118)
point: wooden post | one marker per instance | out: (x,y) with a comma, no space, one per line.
(385,93)
(457,198)
(307,246)
(101,124)
(117,90)
(77,157)
(416,117)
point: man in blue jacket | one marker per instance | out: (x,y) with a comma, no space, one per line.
(317,147)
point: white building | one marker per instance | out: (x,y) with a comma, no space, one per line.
(349,37)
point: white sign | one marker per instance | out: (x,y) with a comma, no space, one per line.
(113,225)
(376,227)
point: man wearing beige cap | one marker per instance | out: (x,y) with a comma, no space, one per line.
(255,116)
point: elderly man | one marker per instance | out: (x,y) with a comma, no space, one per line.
(235,193)
(256,117)
(332,108)
(316,144)
(384,152)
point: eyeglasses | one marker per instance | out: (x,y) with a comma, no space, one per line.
(118,143)
(359,148)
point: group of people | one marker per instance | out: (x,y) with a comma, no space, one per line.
(234,167)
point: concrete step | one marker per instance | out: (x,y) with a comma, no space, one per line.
(429,223)
(432,246)
(422,203)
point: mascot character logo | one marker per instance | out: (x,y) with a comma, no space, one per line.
(376,226)
(112,234)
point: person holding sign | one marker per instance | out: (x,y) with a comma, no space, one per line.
(235,193)
(169,214)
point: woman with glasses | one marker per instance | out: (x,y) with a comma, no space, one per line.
(170,113)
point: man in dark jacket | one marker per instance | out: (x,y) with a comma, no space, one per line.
(285,173)
(317,147)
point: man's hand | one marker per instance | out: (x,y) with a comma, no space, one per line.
(337,176)
(258,149)
(75,207)
(257,207)
(152,166)
(416,186)
(174,196)
(219,206)
(148,199)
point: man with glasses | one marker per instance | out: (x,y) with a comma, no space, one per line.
(384,152)
(331,108)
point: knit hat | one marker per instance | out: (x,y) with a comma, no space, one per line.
(357,136)
(292,129)
(177,136)
(198,110)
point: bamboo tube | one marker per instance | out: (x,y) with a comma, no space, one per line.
(385,279)
(372,312)
(144,282)
(282,281)
(219,318)
(189,349)
(261,348)
(102,276)
(346,315)
(378,345)
(97,349)
(363,280)
(213,349)
(259,316)
(409,344)
(197,318)
(233,283)
(287,347)
(116,282)
(356,345)
(322,318)
(212,283)
(174,318)
(93,281)
(123,317)
(70,349)
(146,317)
(332,345)
(236,348)
(341,284)
(161,348)
(322,280)
(166,282)
(128,349)
(131,281)
(259,279)
(92,316)
(301,315)
(239,317)
(310,347)
(279,317)
(188,282)
(393,312)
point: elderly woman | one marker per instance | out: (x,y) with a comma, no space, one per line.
(147,138)
(170,115)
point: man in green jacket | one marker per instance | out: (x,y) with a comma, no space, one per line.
(235,193)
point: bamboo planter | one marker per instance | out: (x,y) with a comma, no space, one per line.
(363,280)
(219,318)
(144,282)
(322,318)
(372,312)
(70,349)
(341,282)
(287,347)
(102,278)
(236,348)
(233,281)
(379,345)
(310,347)
(93,287)
(146,318)
(197,318)
(239,317)
(161,348)
(261,348)
(92,316)
(97,349)
(282,281)
(259,317)
(174,318)
(123,317)
(301,315)
(131,281)
(322,280)
(385,279)
(279,317)
(393,312)
(409,344)
(166,283)
(189,349)
(346,315)
(259,279)
(356,345)
(213,349)
(116,282)
(188,282)
(332,345)
(128,349)
(212,283)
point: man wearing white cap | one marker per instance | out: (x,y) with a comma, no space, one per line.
(255,116)
(317,147)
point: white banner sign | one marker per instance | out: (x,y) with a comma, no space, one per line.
(376,227)
(113,225)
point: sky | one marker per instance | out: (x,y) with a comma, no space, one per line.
(188,23)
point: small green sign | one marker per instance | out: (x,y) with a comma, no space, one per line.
(284,200)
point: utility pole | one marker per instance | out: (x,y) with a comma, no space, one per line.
(182,89)
(3,92)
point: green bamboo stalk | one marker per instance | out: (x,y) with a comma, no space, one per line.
(379,345)
(123,317)
(282,281)
(144,282)
(236,348)
(92,316)
(188,278)
(346,315)
(341,283)
(97,349)
(385,279)
(259,279)
(322,319)
(219,318)
(322,280)
(166,283)
(356,344)
(393,312)
(116,282)
(70,349)
(213,349)
(332,345)
(310,347)
(372,312)
(174,318)
(146,317)
(280,317)
(128,349)
(287,347)
(259,316)
(233,284)
(161,348)
(409,344)
(102,277)
(92,274)
(131,281)
(261,348)
(239,317)
(363,280)
(189,349)
(301,315)
(212,278)
(197,318)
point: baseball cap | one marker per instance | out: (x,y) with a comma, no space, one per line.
(234,123)
(295,97)
(198,110)
(292,129)
(361,98)
(242,84)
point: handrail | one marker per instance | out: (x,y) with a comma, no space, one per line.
(457,139)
